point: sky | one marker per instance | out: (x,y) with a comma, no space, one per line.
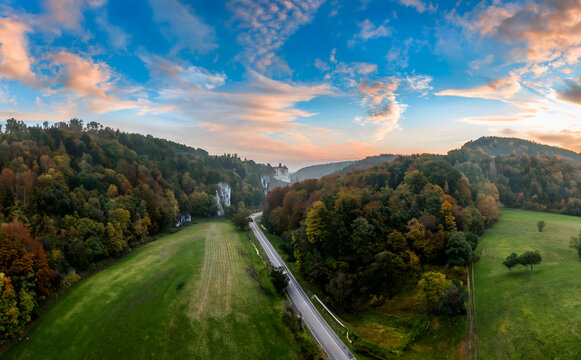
(299,81)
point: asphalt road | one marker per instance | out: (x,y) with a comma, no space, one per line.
(328,340)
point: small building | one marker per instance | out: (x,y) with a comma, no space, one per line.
(281,173)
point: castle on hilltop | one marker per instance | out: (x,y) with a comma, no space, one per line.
(281,173)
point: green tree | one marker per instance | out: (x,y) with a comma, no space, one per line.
(530,258)
(511,261)
(279,279)
(458,250)
(541,225)
(575,243)
(454,299)
(242,217)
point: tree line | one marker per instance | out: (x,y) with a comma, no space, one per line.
(371,232)
(72,195)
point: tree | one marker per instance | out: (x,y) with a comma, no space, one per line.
(458,250)
(317,220)
(472,239)
(431,288)
(530,258)
(453,299)
(541,225)
(576,243)
(9,311)
(242,217)
(279,279)
(511,261)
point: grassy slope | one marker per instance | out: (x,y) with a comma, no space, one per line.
(529,315)
(137,308)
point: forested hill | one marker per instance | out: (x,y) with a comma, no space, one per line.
(492,146)
(318,171)
(371,233)
(71,195)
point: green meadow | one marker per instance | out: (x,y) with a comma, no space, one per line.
(194,294)
(529,314)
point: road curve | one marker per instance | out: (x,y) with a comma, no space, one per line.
(323,333)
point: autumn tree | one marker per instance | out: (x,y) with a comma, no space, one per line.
(317,220)
(431,288)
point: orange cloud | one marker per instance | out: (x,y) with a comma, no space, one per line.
(15,63)
(83,76)
(550,30)
(501,89)
(568,139)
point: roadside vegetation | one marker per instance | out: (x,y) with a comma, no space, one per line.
(200,293)
(528,314)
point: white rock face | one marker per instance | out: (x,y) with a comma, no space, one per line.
(223,197)
(265,180)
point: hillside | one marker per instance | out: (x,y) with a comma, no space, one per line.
(73,195)
(367,163)
(163,302)
(318,171)
(493,146)
(524,314)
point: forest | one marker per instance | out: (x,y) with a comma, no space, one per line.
(372,233)
(72,195)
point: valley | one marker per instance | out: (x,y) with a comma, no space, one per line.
(188,295)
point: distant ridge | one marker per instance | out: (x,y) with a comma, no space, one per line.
(318,171)
(493,145)
(367,163)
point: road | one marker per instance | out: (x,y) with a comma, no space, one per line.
(323,333)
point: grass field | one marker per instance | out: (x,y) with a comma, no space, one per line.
(529,315)
(188,295)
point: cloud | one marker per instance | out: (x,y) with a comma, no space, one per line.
(503,89)
(187,76)
(267,24)
(83,76)
(15,62)
(419,5)
(477,64)
(383,109)
(549,30)
(566,138)
(572,92)
(117,37)
(420,83)
(66,13)
(369,31)
(183,27)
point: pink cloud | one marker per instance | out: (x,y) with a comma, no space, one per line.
(15,62)
(84,76)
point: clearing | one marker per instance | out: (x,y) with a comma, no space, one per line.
(529,314)
(188,295)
